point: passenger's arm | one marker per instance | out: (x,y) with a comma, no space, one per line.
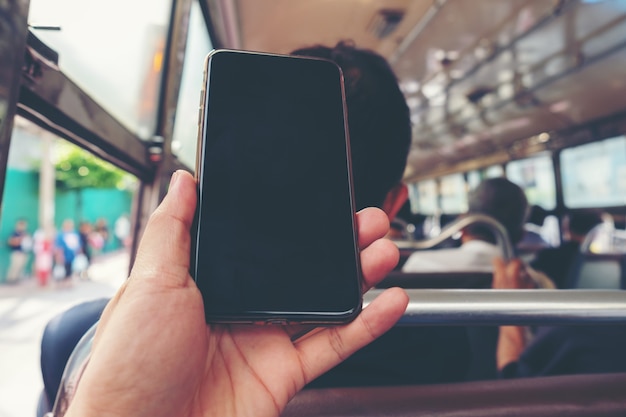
(153,354)
(511,339)
(511,344)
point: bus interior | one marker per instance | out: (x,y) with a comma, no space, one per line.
(531,90)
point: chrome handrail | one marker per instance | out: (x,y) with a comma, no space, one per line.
(511,307)
(502,237)
(447,307)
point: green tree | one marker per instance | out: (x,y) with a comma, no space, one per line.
(77,168)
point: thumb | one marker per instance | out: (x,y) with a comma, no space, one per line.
(163,254)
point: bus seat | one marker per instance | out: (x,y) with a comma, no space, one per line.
(482,340)
(401,279)
(598,271)
(599,395)
(59,339)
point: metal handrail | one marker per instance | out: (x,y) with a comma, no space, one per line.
(502,237)
(449,307)
(511,307)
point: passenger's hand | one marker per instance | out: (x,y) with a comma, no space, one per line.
(511,339)
(511,275)
(154,355)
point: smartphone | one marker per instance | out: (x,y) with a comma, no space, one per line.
(275,235)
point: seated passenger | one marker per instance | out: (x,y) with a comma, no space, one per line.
(557,262)
(554,350)
(532,239)
(495,197)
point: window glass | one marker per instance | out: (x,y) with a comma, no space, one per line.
(414,198)
(494,171)
(473,179)
(536,177)
(594,175)
(49,181)
(113,50)
(453,194)
(427,196)
(186,122)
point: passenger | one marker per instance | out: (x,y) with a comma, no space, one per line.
(379,125)
(20,243)
(153,353)
(553,350)
(557,262)
(380,136)
(505,202)
(85,231)
(66,247)
(496,197)
(532,240)
(102,228)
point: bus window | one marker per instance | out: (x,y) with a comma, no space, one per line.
(594,175)
(473,179)
(494,171)
(49,181)
(413,198)
(423,197)
(121,68)
(453,194)
(536,177)
(426,197)
(186,122)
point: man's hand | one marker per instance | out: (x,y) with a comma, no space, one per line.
(154,355)
(511,339)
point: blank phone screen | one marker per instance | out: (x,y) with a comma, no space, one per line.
(276,219)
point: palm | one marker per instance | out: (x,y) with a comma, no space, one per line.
(257,369)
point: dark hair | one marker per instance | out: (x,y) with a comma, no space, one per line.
(536,215)
(582,221)
(502,200)
(378,119)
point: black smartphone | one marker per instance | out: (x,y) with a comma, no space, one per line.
(275,236)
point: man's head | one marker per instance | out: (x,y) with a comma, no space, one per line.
(68,225)
(21,225)
(502,200)
(580,222)
(379,122)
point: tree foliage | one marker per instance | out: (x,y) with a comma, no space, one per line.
(77,168)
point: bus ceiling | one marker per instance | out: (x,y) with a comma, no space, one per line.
(486,81)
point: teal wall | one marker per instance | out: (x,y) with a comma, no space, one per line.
(21,200)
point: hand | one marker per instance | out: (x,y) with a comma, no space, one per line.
(511,339)
(511,275)
(154,355)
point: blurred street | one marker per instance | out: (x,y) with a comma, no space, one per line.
(25,309)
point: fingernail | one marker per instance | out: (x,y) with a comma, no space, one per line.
(174,179)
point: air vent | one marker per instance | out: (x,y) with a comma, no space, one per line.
(385,21)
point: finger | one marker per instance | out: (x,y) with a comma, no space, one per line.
(514,276)
(377,260)
(163,254)
(372,223)
(322,351)
(499,274)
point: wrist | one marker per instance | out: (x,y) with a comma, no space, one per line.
(511,344)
